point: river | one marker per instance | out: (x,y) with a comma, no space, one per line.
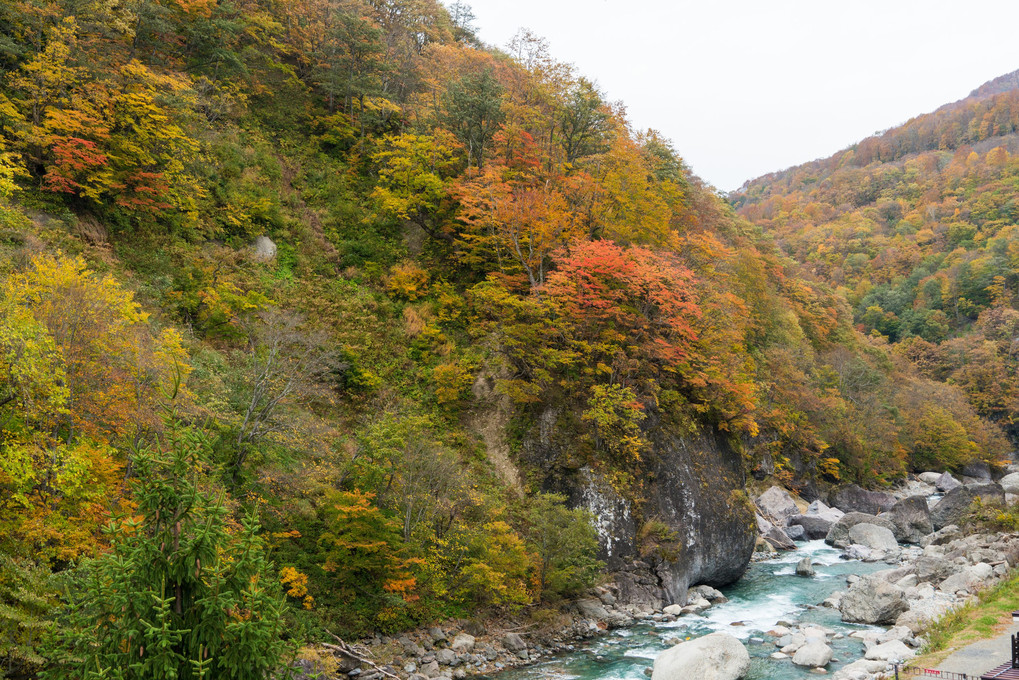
(770,592)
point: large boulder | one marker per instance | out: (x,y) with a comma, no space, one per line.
(463,643)
(775,537)
(873,536)
(708,593)
(970,579)
(513,642)
(795,532)
(856,499)
(592,608)
(819,509)
(1010,483)
(946,482)
(874,601)
(263,249)
(815,654)
(805,567)
(718,656)
(779,540)
(817,520)
(777,504)
(838,535)
(861,669)
(814,526)
(894,651)
(956,503)
(929,477)
(933,569)
(977,469)
(912,519)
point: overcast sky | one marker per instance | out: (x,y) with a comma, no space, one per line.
(747,87)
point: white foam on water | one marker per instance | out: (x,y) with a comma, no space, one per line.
(817,550)
(759,615)
(755,616)
(643,652)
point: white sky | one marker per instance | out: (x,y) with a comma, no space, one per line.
(744,88)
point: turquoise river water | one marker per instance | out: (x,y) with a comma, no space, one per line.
(770,592)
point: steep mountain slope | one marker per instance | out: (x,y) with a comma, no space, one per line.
(438,313)
(917,229)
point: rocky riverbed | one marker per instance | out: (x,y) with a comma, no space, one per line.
(846,589)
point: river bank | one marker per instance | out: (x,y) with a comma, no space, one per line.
(864,603)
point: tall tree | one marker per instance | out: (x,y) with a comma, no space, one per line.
(178,596)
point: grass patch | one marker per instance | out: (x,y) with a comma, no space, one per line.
(986,616)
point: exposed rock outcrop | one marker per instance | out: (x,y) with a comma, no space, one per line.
(777,538)
(805,567)
(694,488)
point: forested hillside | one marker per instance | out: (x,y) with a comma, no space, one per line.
(916,228)
(291,289)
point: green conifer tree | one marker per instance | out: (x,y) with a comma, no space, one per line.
(178,597)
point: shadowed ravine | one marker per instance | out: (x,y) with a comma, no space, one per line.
(770,592)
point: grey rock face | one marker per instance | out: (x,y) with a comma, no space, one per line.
(912,519)
(856,499)
(970,579)
(795,532)
(776,503)
(695,487)
(717,656)
(956,503)
(838,536)
(874,601)
(929,477)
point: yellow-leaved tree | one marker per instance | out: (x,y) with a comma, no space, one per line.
(81,372)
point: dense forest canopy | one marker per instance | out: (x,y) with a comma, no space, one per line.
(444,216)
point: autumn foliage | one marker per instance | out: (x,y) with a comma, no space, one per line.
(471,249)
